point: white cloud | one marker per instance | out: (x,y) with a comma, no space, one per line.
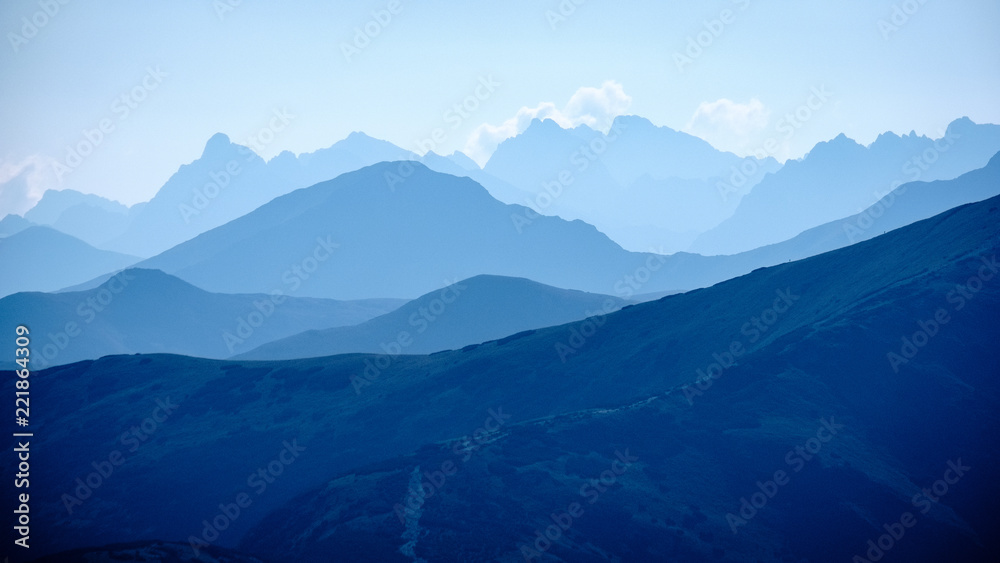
(23,183)
(728,125)
(594,107)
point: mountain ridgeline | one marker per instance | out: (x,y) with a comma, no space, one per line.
(799,412)
(465,313)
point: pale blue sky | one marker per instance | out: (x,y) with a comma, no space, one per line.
(230,74)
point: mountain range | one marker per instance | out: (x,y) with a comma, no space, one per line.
(397,229)
(644,186)
(465,313)
(840,177)
(147,311)
(546,249)
(862,375)
(44,259)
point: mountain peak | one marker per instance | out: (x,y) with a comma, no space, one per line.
(842,141)
(217,143)
(545,124)
(360,136)
(961,124)
(633,122)
(152,278)
(463,160)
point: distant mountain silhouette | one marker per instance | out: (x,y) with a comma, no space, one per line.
(644,186)
(227,181)
(44,259)
(550,250)
(12,224)
(906,204)
(399,230)
(463,160)
(840,177)
(148,311)
(781,354)
(54,203)
(468,312)
(230,180)
(88,217)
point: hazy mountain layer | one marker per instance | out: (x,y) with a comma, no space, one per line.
(466,312)
(848,337)
(840,178)
(147,311)
(44,259)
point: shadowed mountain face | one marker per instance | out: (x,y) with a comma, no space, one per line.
(149,551)
(467,312)
(698,396)
(399,229)
(44,259)
(147,311)
(840,177)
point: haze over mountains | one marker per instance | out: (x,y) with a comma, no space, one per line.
(642,185)
(88,217)
(840,177)
(646,187)
(48,260)
(679,271)
(332,240)
(448,220)
(228,180)
(147,311)
(468,312)
(325,277)
(814,341)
